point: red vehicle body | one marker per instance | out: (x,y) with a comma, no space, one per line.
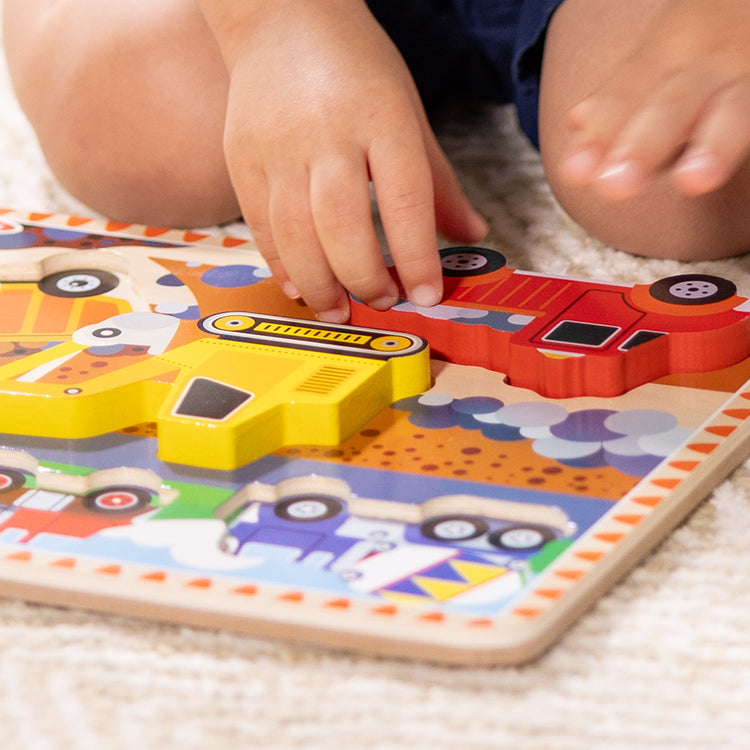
(564,337)
(31,511)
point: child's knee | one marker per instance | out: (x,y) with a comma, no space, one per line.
(139,172)
(130,126)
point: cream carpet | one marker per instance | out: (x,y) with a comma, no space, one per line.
(663,661)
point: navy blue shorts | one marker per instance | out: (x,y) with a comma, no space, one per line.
(490,49)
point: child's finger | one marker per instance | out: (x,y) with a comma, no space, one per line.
(299,250)
(618,114)
(719,145)
(654,134)
(402,179)
(252,193)
(456,217)
(342,212)
(597,122)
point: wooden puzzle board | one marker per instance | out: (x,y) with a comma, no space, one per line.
(469,523)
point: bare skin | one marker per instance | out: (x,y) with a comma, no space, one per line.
(140,107)
(188,113)
(648,147)
(128,105)
(343,111)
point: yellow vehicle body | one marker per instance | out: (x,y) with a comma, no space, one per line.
(245,387)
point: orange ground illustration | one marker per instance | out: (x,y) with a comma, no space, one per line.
(391,442)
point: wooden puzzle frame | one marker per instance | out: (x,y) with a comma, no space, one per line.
(603,519)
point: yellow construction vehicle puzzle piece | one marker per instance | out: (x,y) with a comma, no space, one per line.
(241,386)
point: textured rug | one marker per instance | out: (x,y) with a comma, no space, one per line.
(662,661)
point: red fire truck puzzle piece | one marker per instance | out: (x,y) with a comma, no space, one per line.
(563,337)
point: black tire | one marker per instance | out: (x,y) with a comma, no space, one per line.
(470,261)
(308,508)
(692,289)
(117,501)
(83,282)
(521,537)
(457,528)
(10,479)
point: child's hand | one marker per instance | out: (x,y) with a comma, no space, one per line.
(680,104)
(320,103)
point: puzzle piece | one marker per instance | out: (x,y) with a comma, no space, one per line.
(563,337)
(242,386)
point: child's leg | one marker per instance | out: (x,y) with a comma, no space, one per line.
(586,41)
(128,100)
